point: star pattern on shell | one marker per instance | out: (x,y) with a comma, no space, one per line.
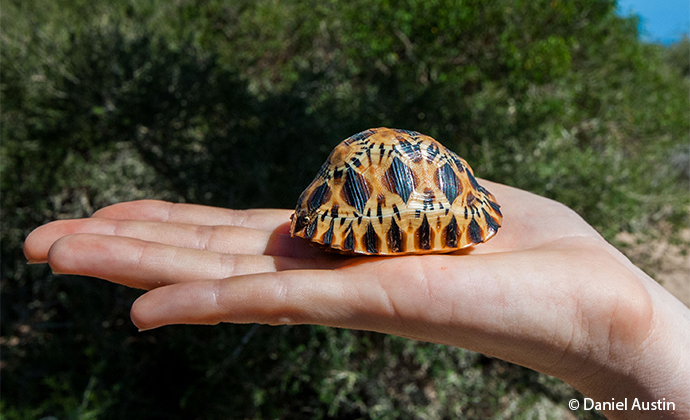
(395,192)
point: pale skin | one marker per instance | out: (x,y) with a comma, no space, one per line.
(548,292)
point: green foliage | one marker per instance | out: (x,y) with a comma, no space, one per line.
(236,104)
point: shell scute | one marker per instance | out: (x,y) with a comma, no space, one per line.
(392,192)
(356,190)
(399,179)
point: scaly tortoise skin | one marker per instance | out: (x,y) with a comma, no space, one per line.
(394,192)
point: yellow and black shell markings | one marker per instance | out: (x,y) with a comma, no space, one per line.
(393,192)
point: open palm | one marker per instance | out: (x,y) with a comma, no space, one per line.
(548,292)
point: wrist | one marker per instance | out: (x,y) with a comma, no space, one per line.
(649,379)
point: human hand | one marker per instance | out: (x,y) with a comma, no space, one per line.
(547,292)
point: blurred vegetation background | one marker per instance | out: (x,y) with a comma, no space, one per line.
(236,104)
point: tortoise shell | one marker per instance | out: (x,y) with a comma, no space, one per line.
(393,192)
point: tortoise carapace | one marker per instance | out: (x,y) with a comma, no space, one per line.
(394,192)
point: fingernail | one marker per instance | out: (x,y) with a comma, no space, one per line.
(32,262)
(146,329)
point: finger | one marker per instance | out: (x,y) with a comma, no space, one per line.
(147,265)
(223,239)
(529,309)
(161,211)
(293,299)
(397,291)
